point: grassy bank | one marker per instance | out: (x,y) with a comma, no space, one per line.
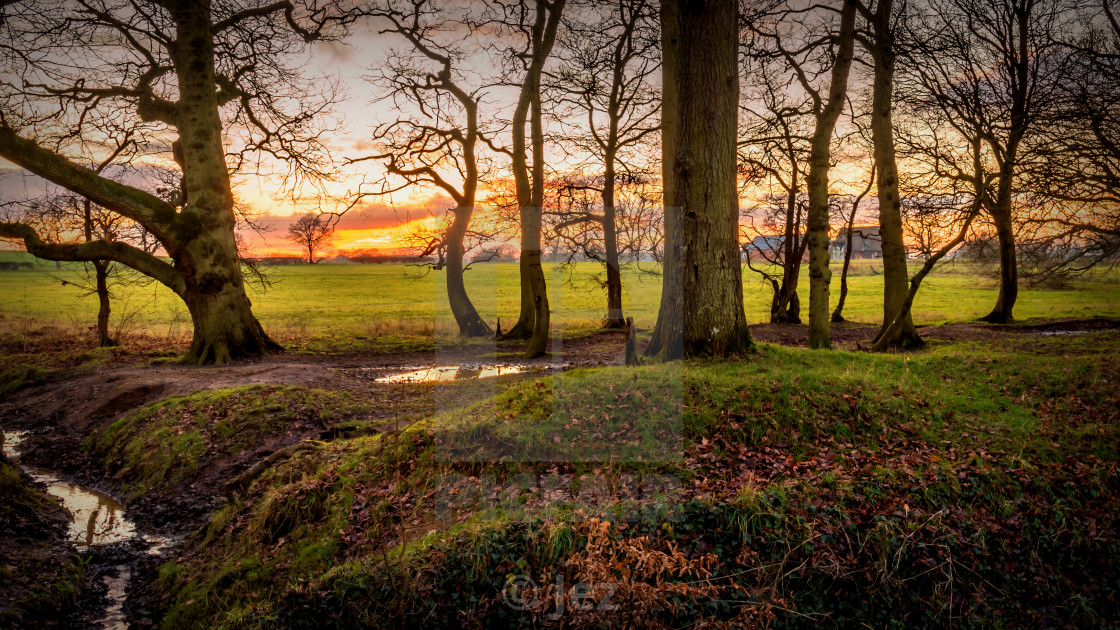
(173,441)
(972,484)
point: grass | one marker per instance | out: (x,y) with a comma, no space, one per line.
(341,307)
(169,442)
(971,482)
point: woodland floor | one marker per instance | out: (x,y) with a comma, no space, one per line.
(99,422)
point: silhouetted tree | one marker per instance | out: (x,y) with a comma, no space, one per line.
(311,232)
(608,109)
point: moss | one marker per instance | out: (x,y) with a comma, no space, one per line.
(169,442)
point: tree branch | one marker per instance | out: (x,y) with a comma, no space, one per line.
(148,210)
(117,251)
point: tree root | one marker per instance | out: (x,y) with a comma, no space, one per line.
(241,482)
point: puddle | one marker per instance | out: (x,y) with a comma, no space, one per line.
(452,373)
(116,591)
(1062,333)
(99,519)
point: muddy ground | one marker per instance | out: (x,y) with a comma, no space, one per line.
(62,413)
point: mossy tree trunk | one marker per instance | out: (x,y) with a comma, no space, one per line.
(701,310)
(206,251)
(533,320)
(820,160)
(896,281)
(466,315)
(198,236)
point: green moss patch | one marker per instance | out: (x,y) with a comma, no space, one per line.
(170,442)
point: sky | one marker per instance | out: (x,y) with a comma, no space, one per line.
(376,223)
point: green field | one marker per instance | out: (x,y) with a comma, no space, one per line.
(373,300)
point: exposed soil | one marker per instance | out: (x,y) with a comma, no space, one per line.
(61,414)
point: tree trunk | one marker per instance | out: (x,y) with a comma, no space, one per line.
(700,118)
(615,318)
(533,320)
(820,159)
(101,272)
(788,307)
(838,314)
(101,278)
(224,325)
(466,316)
(1003,313)
(896,281)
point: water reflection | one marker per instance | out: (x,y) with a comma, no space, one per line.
(98,518)
(451,373)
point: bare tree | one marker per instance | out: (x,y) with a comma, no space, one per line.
(180,65)
(439,142)
(312,232)
(535,24)
(773,155)
(991,67)
(1077,173)
(701,311)
(608,107)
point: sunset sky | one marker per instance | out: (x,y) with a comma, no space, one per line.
(377,222)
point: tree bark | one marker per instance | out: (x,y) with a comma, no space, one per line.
(820,160)
(1003,312)
(896,283)
(702,285)
(225,327)
(615,317)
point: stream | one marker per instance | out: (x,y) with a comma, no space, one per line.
(98,520)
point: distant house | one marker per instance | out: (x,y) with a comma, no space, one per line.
(866,243)
(769,247)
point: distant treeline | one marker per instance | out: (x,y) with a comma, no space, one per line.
(362,258)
